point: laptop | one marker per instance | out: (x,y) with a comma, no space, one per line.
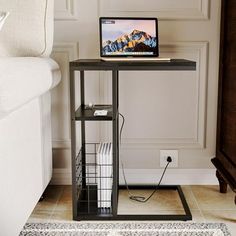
(129,38)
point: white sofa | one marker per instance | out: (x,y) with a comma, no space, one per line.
(27,75)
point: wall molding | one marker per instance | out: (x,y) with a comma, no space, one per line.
(200,12)
(150,176)
(70,52)
(200,50)
(71,49)
(69,13)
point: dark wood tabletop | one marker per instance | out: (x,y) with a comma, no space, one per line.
(99,64)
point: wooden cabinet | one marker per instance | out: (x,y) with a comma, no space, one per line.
(225,160)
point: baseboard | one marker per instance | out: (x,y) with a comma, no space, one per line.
(151,176)
(172,176)
(61,177)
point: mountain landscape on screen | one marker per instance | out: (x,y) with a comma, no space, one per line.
(137,41)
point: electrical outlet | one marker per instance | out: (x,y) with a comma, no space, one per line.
(173,154)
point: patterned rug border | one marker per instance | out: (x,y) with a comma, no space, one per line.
(131,228)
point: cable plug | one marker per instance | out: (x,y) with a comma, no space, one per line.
(169,159)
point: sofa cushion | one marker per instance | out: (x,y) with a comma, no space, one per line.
(28,30)
(22,79)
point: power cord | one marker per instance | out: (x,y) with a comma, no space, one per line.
(131,196)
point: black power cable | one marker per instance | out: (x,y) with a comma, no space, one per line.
(131,196)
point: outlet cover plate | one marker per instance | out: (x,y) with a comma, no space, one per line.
(174,154)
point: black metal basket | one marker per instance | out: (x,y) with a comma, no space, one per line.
(88,177)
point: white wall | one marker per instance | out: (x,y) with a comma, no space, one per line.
(177,110)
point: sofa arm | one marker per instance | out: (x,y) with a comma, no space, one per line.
(25,78)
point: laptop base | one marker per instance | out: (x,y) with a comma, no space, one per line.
(159,59)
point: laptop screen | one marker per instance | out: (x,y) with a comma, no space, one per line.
(128,37)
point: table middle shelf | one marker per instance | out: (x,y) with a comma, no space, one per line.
(87,113)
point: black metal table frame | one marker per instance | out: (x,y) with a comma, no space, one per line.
(115,140)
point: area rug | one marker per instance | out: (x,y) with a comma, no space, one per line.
(125,229)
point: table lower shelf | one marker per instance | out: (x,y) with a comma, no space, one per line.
(88,210)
